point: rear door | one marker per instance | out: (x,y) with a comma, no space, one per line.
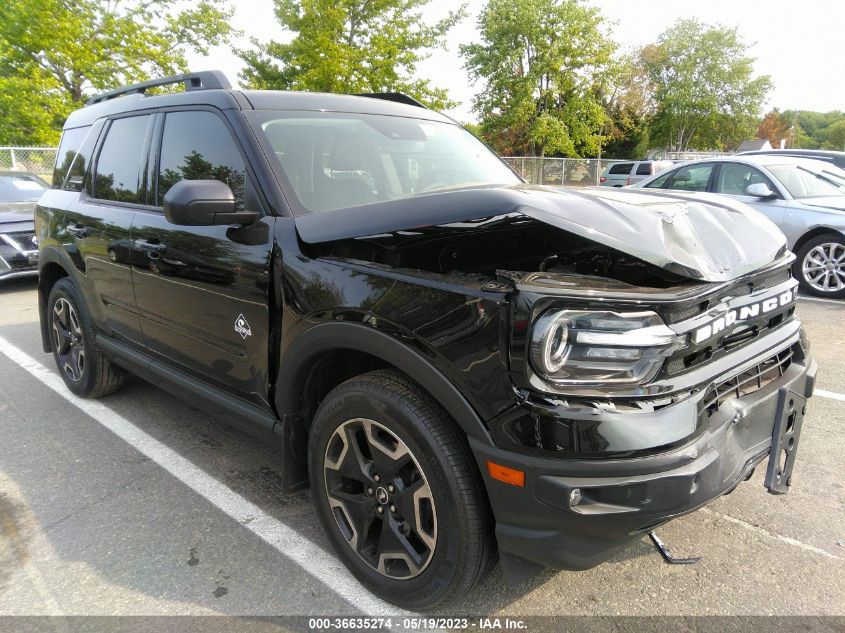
(202,291)
(96,225)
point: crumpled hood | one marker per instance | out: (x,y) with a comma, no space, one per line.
(16,212)
(701,236)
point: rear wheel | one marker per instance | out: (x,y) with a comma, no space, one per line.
(85,371)
(398,492)
(820,266)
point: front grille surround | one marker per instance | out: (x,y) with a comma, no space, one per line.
(749,381)
(23,241)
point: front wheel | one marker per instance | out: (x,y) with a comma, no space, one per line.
(398,492)
(820,266)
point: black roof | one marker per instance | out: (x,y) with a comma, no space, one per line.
(209,89)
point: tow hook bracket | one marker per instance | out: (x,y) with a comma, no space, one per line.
(785,435)
(667,555)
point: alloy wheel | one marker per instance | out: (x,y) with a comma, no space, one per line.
(380,498)
(824,267)
(67,338)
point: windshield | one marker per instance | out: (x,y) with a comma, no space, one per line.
(332,161)
(802,182)
(20,188)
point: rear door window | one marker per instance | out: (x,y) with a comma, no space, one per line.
(644,169)
(121,160)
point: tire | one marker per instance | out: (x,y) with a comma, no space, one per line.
(86,372)
(820,266)
(433,494)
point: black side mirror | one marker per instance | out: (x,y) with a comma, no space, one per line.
(204,203)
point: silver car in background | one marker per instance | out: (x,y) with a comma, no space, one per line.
(804,197)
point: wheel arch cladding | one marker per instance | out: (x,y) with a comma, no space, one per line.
(50,271)
(358,349)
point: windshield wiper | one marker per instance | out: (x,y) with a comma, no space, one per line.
(827,176)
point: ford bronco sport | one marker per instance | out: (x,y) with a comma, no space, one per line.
(461,366)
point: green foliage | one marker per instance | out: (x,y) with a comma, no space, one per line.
(350,46)
(704,88)
(538,60)
(836,135)
(816,130)
(623,90)
(55,52)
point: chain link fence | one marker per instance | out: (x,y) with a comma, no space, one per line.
(571,172)
(38,160)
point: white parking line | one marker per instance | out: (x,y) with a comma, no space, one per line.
(771,535)
(836,302)
(829,394)
(309,556)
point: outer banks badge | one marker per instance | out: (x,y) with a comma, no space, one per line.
(242,327)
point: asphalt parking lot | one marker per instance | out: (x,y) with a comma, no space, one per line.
(141,505)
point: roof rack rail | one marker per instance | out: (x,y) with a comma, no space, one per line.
(397,97)
(204,80)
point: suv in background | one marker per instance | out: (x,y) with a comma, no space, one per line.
(836,158)
(629,173)
(457,363)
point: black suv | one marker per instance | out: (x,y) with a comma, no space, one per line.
(461,366)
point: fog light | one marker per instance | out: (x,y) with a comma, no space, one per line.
(574,497)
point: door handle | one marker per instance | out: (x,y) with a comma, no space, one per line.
(77,230)
(154,250)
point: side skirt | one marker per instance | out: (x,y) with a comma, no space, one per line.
(242,415)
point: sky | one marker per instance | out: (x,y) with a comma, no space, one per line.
(798,44)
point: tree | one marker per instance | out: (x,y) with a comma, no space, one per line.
(836,135)
(351,46)
(774,128)
(704,86)
(538,60)
(623,91)
(53,53)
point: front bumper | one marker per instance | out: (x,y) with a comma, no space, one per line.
(626,497)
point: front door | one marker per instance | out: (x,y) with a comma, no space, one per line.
(202,292)
(733,179)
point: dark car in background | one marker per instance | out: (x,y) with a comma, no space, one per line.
(19,191)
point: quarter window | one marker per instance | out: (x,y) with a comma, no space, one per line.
(198,146)
(119,163)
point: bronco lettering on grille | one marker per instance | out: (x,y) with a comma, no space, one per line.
(743,313)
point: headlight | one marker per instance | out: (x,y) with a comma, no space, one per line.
(616,351)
